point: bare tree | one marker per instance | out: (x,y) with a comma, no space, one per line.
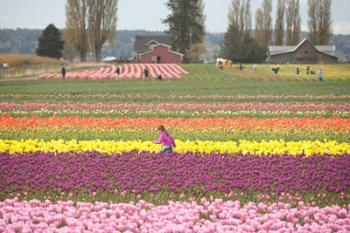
(326,22)
(247,22)
(320,20)
(313,22)
(196,51)
(263,28)
(75,33)
(69,53)
(234,13)
(279,25)
(293,22)
(259,26)
(240,17)
(296,23)
(238,43)
(102,24)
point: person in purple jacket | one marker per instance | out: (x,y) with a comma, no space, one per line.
(165,139)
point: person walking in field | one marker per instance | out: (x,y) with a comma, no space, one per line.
(308,68)
(320,74)
(146,73)
(117,73)
(63,72)
(254,67)
(165,140)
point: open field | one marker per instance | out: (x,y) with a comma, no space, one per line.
(31,66)
(26,65)
(288,72)
(16,60)
(203,81)
(255,152)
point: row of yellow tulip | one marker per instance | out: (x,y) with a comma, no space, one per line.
(276,147)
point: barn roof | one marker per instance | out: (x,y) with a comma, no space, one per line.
(276,50)
(142,42)
(162,45)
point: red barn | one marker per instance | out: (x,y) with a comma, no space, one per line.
(155,49)
(161,53)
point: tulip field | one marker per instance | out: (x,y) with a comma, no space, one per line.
(127,71)
(251,155)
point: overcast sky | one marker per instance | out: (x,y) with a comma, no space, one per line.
(144,14)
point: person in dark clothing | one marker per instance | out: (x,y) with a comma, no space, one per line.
(240,67)
(160,78)
(308,69)
(117,73)
(276,69)
(63,72)
(298,71)
(145,73)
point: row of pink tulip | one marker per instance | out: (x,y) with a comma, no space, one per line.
(126,71)
(202,217)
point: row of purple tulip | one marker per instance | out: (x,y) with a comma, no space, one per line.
(152,172)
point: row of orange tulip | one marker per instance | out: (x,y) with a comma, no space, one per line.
(307,123)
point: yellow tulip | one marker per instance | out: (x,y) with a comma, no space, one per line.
(245,147)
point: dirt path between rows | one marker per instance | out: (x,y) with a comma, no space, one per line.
(19,79)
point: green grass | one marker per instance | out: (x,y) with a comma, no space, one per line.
(48,134)
(204,80)
(288,72)
(319,198)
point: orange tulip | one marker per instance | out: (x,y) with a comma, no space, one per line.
(204,123)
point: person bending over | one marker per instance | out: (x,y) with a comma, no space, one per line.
(165,139)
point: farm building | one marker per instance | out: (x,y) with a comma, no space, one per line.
(303,53)
(155,49)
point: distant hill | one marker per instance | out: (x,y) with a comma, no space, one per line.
(24,41)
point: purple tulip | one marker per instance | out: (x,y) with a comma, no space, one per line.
(152,172)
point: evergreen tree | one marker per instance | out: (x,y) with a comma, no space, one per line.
(251,51)
(185,24)
(50,43)
(230,46)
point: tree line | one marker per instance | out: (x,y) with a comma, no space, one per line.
(92,23)
(242,45)
(25,41)
(89,25)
